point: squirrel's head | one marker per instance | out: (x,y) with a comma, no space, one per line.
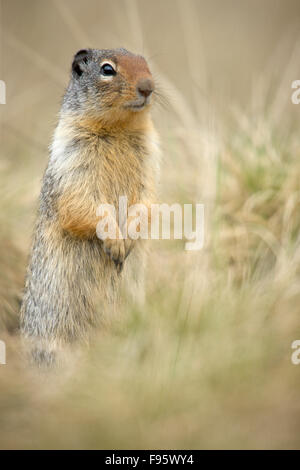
(109,84)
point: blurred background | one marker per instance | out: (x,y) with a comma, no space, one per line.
(207,362)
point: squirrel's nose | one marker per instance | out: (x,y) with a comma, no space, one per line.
(145,87)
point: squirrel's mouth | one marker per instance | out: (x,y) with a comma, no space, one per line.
(137,105)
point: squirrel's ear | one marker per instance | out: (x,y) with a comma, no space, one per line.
(79,61)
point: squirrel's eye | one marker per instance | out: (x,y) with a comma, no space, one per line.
(107,70)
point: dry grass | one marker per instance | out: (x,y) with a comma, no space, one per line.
(207,362)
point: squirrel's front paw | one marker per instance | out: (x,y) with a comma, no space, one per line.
(116,251)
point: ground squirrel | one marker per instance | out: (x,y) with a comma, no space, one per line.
(104,147)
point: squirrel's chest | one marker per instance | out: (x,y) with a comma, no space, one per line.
(122,172)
